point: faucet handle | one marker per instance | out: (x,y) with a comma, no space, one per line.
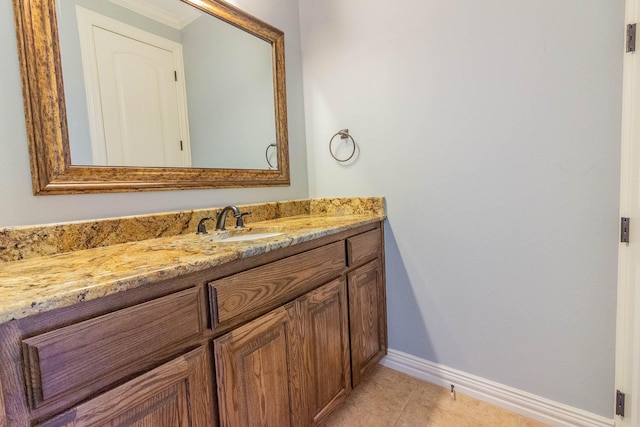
(240,219)
(202,229)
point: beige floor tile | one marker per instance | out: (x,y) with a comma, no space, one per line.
(437,408)
(387,398)
(377,401)
(418,415)
(526,422)
(485,413)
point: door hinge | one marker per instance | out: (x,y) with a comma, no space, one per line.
(619,403)
(624,230)
(175,75)
(631,37)
(181,148)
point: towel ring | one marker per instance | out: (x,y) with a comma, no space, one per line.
(344,134)
(266,155)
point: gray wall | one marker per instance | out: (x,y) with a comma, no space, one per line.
(20,207)
(492,127)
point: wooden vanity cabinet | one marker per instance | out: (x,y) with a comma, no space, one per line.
(88,356)
(294,365)
(258,372)
(132,357)
(176,394)
(324,323)
(243,296)
(278,339)
(291,366)
(367,318)
(367,302)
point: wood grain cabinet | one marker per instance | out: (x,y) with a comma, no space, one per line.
(295,365)
(367,302)
(110,358)
(367,318)
(258,372)
(176,394)
(324,322)
(291,366)
(80,359)
(278,339)
(245,295)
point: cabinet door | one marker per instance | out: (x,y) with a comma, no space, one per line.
(325,328)
(367,318)
(177,393)
(257,371)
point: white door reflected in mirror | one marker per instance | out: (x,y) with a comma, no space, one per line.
(136,104)
(228,86)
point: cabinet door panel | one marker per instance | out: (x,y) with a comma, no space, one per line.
(257,370)
(326,348)
(176,394)
(367,318)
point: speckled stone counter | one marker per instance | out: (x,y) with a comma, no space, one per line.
(59,265)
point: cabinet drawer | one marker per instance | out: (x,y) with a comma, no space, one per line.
(253,292)
(364,247)
(78,360)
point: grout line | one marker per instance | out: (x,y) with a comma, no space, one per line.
(406,403)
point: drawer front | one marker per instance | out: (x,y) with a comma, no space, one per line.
(253,292)
(364,247)
(81,359)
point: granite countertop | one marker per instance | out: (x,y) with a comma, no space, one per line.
(38,284)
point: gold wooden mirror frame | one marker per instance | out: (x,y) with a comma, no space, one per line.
(45,112)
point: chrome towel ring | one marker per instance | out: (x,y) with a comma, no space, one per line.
(344,134)
(266,155)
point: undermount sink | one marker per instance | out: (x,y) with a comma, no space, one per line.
(250,236)
(242,235)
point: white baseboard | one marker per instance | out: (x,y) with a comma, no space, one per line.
(523,403)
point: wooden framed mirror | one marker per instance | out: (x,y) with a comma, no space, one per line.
(54,165)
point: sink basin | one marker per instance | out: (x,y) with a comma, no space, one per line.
(242,235)
(250,236)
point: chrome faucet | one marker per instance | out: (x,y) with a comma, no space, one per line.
(222,217)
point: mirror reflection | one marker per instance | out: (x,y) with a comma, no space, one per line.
(159,83)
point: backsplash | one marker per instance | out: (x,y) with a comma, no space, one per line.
(17,243)
(347,206)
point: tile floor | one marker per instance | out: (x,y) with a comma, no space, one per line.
(388,398)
